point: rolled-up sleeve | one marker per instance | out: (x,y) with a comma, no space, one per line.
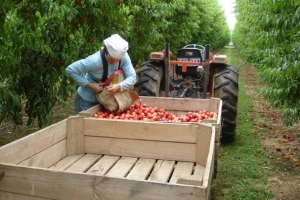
(77,69)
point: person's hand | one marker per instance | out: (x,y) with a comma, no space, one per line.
(114,88)
(96,87)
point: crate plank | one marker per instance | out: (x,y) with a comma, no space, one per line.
(189,104)
(84,163)
(210,157)
(205,133)
(142,169)
(190,180)
(75,137)
(140,130)
(33,143)
(122,167)
(195,179)
(215,104)
(66,162)
(103,165)
(182,169)
(199,170)
(53,155)
(142,148)
(172,104)
(91,111)
(13,196)
(66,185)
(162,171)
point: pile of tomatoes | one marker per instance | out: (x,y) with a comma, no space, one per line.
(140,111)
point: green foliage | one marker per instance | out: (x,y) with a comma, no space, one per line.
(267,35)
(39,39)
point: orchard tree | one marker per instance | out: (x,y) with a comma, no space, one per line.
(33,63)
(40,38)
(214,29)
(267,34)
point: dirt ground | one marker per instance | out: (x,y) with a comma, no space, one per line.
(10,132)
(281,142)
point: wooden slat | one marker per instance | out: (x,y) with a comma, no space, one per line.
(218,132)
(21,149)
(210,120)
(209,166)
(47,157)
(75,137)
(177,113)
(84,163)
(140,130)
(204,136)
(190,180)
(215,104)
(183,104)
(122,167)
(141,148)
(91,111)
(65,185)
(182,169)
(219,112)
(103,165)
(199,170)
(162,171)
(142,169)
(13,196)
(188,104)
(195,179)
(66,162)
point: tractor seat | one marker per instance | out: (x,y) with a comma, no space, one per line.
(188,55)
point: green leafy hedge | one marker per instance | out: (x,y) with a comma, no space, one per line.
(268,35)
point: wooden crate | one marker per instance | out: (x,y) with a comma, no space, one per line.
(87,158)
(178,106)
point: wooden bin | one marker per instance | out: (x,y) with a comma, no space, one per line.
(179,106)
(87,158)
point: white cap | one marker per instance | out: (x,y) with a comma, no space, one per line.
(116,46)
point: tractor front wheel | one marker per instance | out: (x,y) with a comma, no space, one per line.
(226,88)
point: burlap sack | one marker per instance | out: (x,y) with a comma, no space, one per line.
(118,102)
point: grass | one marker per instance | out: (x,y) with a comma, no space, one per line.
(242,170)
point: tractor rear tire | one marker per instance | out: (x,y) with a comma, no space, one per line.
(226,88)
(149,76)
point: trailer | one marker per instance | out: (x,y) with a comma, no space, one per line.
(83,157)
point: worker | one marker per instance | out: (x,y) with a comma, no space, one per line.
(90,73)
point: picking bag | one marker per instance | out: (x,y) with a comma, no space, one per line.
(118,102)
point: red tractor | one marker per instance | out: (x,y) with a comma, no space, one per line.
(195,73)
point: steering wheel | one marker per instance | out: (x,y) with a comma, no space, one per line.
(196,46)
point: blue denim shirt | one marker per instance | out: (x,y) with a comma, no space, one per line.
(85,70)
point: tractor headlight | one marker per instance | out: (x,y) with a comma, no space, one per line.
(200,70)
